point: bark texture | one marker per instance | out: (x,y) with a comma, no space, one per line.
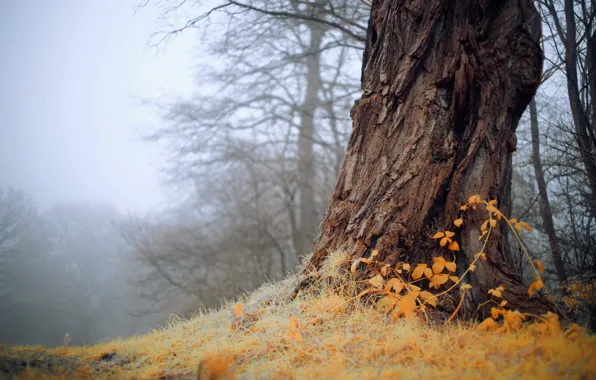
(445,83)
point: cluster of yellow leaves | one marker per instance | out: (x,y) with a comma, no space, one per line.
(446,237)
(403,298)
(581,295)
(519,225)
(498,292)
(434,274)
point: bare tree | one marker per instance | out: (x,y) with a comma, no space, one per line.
(260,145)
(545,207)
(285,85)
(20,241)
(572,26)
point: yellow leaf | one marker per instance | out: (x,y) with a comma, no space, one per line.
(386,303)
(484,225)
(384,271)
(366,261)
(526,226)
(415,289)
(451,267)
(418,271)
(449,234)
(374,253)
(377,281)
(428,273)
(495,293)
(500,288)
(354,266)
(475,199)
(397,285)
(503,304)
(458,222)
(493,222)
(298,336)
(536,285)
(519,227)
(482,255)
(439,279)
(540,266)
(390,283)
(454,278)
(487,325)
(512,220)
(438,235)
(493,202)
(294,322)
(463,208)
(439,259)
(429,298)
(491,208)
(453,246)
(494,312)
(472,267)
(407,306)
(238,310)
(438,267)
(406,267)
(466,286)
(444,241)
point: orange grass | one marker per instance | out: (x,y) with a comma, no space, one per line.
(347,340)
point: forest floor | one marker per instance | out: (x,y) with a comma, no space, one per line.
(322,335)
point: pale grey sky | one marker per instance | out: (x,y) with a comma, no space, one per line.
(69,121)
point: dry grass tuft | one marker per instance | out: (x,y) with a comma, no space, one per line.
(325,335)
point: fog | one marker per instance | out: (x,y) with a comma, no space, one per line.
(73,76)
(161,157)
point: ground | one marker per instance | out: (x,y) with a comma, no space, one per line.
(324,334)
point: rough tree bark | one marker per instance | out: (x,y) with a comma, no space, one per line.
(445,83)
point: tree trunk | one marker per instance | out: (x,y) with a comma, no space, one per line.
(545,211)
(306,156)
(580,116)
(445,84)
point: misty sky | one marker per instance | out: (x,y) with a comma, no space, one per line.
(71,73)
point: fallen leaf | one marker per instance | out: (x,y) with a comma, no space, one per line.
(238,310)
(377,281)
